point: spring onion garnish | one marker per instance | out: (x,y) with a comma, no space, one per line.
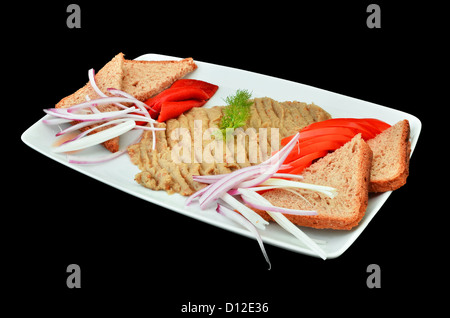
(248,213)
(243,184)
(285,223)
(112,123)
(244,222)
(79,142)
(329,191)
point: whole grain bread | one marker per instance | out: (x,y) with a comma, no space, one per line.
(348,170)
(144,79)
(391,152)
(110,76)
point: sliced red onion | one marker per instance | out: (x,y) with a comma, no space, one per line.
(88,131)
(213,178)
(87,114)
(228,182)
(224,186)
(196,194)
(255,204)
(234,192)
(299,234)
(277,158)
(329,191)
(236,217)
(143,108)
(78,126)
(248,213)
(105,101)
(153,129)
(64,113)
(56,121)
(91,75)
(102,159)
(93,108)
(89,123)
(288,225)
(76,160)
(139,118)
(273,162)
(208,178)
(116,100)
(246,177)
(97,138)
(116,91)
(285,166)
(287,175)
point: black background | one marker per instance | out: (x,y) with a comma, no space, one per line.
(137,256)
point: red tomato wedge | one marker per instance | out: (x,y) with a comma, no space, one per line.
(336,138)
(318,139)
(320,146)
(300,164)
(368,127)
(321,143)
(326,131)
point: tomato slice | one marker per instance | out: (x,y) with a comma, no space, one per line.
(344,131)
(319,146)
(379,124)
(328,131)
(317,139)
(300,164)
(310,146)
(337,138)
(368,127)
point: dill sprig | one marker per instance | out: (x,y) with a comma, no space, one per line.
(237,112)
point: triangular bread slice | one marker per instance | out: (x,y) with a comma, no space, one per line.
(347,169)
(110,76)
(391,151)
(144,79)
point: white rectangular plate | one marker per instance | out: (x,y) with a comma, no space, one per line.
(120,172)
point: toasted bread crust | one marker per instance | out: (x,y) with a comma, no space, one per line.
(119,73)
(339,217)
(395,139)
(384,161)
(110,76)
(144,79)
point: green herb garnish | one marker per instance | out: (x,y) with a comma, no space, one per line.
(237,112)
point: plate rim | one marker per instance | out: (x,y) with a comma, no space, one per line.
(356,232)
